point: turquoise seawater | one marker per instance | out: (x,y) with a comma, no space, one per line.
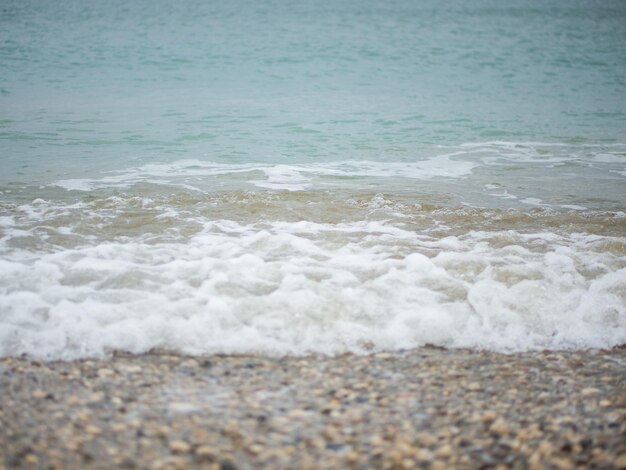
(291,176)
(95,85)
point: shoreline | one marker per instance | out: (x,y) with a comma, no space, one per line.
(423,408)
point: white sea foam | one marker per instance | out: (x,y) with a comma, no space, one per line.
(511,173)
(533,201)
(495,152)
(292,177)
(305,287)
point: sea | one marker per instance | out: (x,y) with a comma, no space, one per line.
(304,177)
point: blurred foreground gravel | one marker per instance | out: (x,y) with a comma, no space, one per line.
(425,408)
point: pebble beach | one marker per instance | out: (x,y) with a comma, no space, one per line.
(423,408)
(328,234)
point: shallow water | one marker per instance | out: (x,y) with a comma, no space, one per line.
(293,178)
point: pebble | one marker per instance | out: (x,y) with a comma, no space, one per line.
(298,414)
(118,427)
(31,459)
(205,452)
(444,451)
(104,372)
(499,427)
(424,455)
(72,400)
(93,430)
(255,448)
(426,439)
(190,363)
(179,447)
(181,407)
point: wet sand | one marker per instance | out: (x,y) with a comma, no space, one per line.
(425,408)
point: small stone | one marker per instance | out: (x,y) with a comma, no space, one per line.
(604,403)
(332,405)
(407,463)
(72,400)
(104,372)
(83,416)
(126,462)
(31,459)
(425,439)
(439,465)
(620,461)
(118,427)
(589,391)
(352,455)
(562,463)
(170,463)
(162,431)
(179,447)
(489,416)
(191,363)
(298,414)
(545,448)
(182,407)
(499,427)
(255,449)
(331,434)
(444,451)
(474,386)
(227,465)
(39,394)
(93,430)
(424,455)
(206,453)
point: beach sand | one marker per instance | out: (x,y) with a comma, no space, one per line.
(424,408)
